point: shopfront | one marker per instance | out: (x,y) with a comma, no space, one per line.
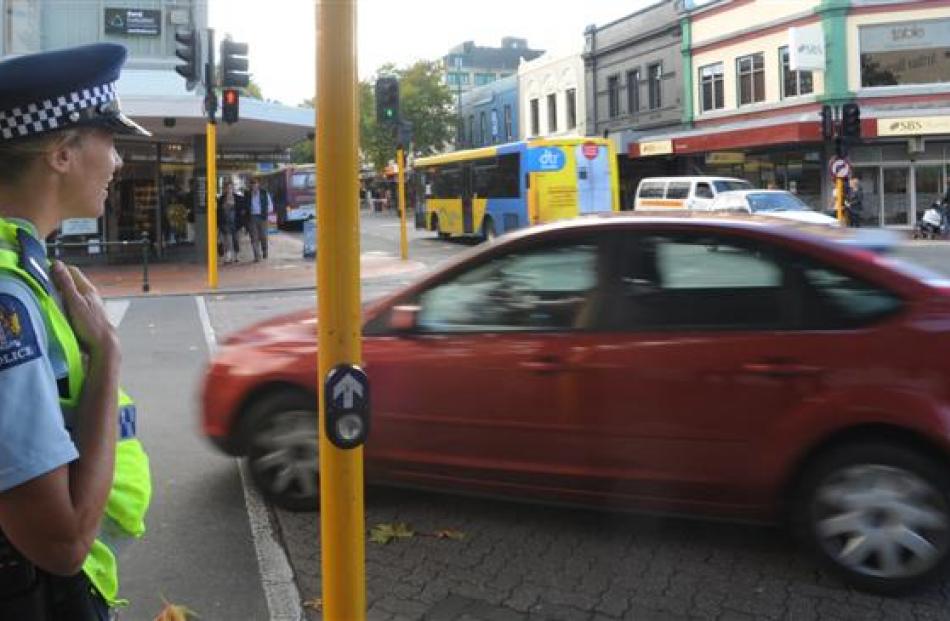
(797,169)
(899,184)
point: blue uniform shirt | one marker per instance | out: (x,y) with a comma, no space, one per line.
(34,439)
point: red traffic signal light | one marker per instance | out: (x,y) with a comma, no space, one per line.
(230,105)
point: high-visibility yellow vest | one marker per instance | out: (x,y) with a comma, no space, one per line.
(131,485)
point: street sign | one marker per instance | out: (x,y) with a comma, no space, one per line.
(840,168)
(591,150)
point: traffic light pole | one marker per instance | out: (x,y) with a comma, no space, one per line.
(403,236)
(342,528)
(211,152)
(212,193)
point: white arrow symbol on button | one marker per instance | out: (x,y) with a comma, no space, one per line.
(347,387)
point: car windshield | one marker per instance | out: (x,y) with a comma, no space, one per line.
(727,185)
(775,201)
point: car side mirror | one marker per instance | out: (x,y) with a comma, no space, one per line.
(404,318)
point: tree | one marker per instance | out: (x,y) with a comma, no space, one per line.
(424,101)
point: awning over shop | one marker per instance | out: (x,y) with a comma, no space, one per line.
(159,102)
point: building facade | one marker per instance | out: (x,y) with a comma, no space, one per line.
(633,84)
(552,97)
(468,66)
(162,188)
(751,114)
(489,114)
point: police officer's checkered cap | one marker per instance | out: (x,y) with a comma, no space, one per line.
(74,87)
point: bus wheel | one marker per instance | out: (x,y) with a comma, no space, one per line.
(488,230)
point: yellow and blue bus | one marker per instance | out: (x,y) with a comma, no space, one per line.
(488,191)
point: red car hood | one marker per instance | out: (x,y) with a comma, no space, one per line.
(296,326)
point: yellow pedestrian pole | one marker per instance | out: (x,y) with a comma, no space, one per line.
(342,528)
(839,199)
(212,194)
(403,239)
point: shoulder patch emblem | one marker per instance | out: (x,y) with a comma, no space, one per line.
(17,338)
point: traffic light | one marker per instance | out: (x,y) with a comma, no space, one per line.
(234,64)
(827,122)
(230,105)
(387,101)
(851,120)
(188,51)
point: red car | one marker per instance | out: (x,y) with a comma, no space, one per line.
(680,365)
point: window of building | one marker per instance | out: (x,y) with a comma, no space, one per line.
(794,83)
(613,96)
(751,72)
(535,118)
(482,79)
(483,129)
(711,87)
(509,133)
(457,79)
(899,53)
(552,112)
(656,76)
(471,130)
(494,126)
(571,97)
(633,91)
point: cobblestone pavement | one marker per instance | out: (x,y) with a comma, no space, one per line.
(533,563)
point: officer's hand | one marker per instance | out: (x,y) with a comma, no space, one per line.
(87,313)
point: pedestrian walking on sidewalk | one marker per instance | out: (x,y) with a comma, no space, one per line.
(71,468)
(260,206)
(229,221)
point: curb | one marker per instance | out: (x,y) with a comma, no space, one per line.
(253,290)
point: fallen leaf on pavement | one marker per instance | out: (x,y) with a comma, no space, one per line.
(175,612)
(449,533)
(384,533)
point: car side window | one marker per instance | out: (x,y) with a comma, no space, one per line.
(833,300)
(703,190)
(677,190)
(698,282)
(548,288)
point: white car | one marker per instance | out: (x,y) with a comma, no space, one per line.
(775,203)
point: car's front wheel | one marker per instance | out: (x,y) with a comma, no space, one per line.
(878,514)
(282,450)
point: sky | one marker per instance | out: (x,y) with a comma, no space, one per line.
(280,33)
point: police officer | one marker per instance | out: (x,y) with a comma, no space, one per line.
(73,478)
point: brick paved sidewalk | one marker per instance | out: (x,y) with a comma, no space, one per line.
(285,268)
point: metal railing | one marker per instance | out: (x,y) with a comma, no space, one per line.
(144,243)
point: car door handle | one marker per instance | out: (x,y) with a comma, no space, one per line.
(543,365)
(780,369)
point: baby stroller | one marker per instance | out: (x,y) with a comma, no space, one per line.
(933,224)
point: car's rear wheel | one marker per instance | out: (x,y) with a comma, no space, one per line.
(877,514)
(282,450)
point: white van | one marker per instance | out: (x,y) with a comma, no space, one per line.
(684,192)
